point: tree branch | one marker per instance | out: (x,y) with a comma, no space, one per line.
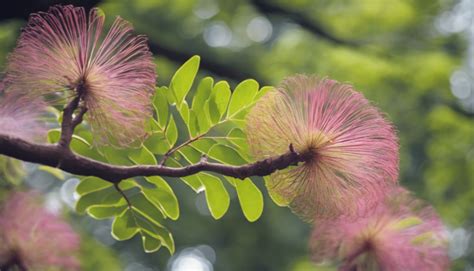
(268,7)
(208,63)
(56,156)
(68,124)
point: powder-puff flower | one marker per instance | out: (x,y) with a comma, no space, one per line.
(64,52)
(34,239)
(20,116)
(399,234)
(350,149)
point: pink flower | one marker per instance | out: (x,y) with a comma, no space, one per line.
(63,53)
(351,149)
(399,234)
(20,116)
(33,238)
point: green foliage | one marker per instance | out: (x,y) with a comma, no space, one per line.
(214,129)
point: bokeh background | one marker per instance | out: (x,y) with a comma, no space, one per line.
(413,58)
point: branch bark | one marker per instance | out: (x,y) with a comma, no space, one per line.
(55,156)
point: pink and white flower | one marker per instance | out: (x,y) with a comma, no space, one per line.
(399,234)
(64,53)
(34,239)
(21,117)
(351,149)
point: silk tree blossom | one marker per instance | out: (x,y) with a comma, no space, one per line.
(351,149)
(21,116)
(399,234)
(65,53)
(34,239)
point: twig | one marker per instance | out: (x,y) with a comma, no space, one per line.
(56,156)
(68,124)
(173,150)
(348,264)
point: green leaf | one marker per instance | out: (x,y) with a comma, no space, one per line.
(124,226)
(220,96)
(103,212)
(192,181)
(90,184)
(54,135)
(204,118)
(160,104)
(190,154)
(147,208)
(183,110)
(157,143)
(212,112)
(216,195)
(150,243)
(193,125)
(239,139)
(203,144)
(242,96)
(154,230)
(142,156)
(183,79)
(250,198)
(172,132)
(164,196)
(116,156)
(107,196)
(277,199)
(226,154)
(202,94)
(262,92)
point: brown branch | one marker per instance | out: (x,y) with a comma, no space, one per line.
(68,124)
(64,159)
(184,144)
(348,264)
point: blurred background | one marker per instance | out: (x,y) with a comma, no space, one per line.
(412,58)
